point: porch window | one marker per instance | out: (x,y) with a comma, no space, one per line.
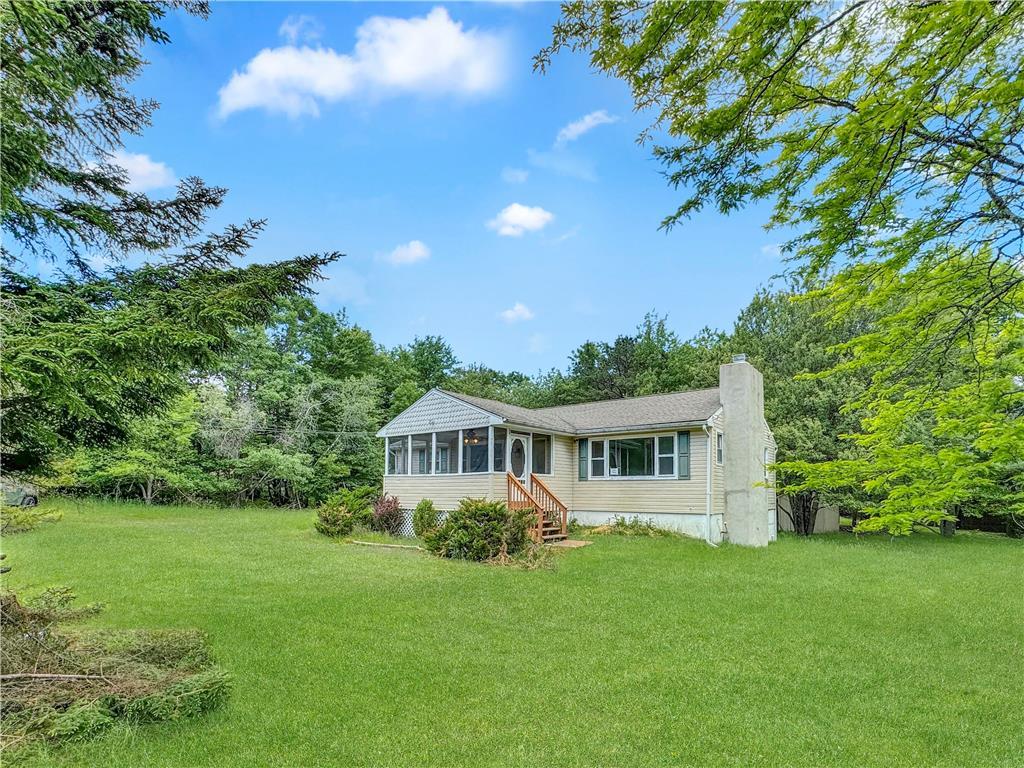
(500,436)
(666,455)
(397,454)
(447,458)
(421,450)
(542,454)
(474,450)
(597,458)
(632,457)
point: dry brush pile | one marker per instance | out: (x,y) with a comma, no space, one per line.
(60,683)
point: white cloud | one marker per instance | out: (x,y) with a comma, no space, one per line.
(514,175)
(577,128)
(426,55)
(537,343)
(300,27)
(516,219)
(771,251)
(516,313)
(144,173)
(409,253)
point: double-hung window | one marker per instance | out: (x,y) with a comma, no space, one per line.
(597,458)
(667,455)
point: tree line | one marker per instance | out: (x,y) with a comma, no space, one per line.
(889,136)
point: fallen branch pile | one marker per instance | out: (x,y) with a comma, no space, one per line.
(60,684)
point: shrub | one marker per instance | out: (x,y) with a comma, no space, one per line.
(481,530)
(387,515)
(633,526)
(424,518)
(345,509)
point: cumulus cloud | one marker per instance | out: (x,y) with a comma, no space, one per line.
(577,128)
(300,27)
(425,55)
(514,175)
(409,253)
(516,219)
(516,313)
(144,173)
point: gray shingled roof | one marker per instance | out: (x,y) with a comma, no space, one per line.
(627,414)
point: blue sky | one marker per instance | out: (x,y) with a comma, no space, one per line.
(512,213)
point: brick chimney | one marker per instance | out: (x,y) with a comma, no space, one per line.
(747,513)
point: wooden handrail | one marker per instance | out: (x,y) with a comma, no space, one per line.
(552,504)
(519,497)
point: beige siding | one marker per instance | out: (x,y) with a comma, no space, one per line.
(564,469)
(628,496)
(717,470)
(444,490)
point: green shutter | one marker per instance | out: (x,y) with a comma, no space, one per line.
(581,447)
(683,446)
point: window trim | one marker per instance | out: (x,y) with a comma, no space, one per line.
(605,439)
(719,447)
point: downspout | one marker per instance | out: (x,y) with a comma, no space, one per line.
(707,494)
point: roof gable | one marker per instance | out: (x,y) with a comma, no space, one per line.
(438,411)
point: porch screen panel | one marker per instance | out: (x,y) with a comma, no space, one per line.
(542,454)
(474,450)
(447,456)
(420,460)
(500,436)
(397,455)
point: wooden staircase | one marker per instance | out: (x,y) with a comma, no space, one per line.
(552,514)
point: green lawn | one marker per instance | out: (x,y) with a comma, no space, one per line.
(830,651)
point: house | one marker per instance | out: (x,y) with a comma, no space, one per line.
(695,462)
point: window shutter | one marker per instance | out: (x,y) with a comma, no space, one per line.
(581,448)
(683,446)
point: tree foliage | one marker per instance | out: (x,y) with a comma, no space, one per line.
(888,136)
(86,354)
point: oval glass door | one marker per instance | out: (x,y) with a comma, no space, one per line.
(517,459)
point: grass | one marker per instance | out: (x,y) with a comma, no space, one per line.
(632,651)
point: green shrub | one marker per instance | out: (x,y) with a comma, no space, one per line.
(332,519)
(481,530)
(424,518)
(345,509)
(633,526)
(388,516)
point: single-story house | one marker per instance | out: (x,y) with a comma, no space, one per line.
(696,462)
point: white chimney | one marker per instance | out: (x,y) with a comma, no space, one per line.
(741,390)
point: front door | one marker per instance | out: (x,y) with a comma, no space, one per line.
(518,461)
